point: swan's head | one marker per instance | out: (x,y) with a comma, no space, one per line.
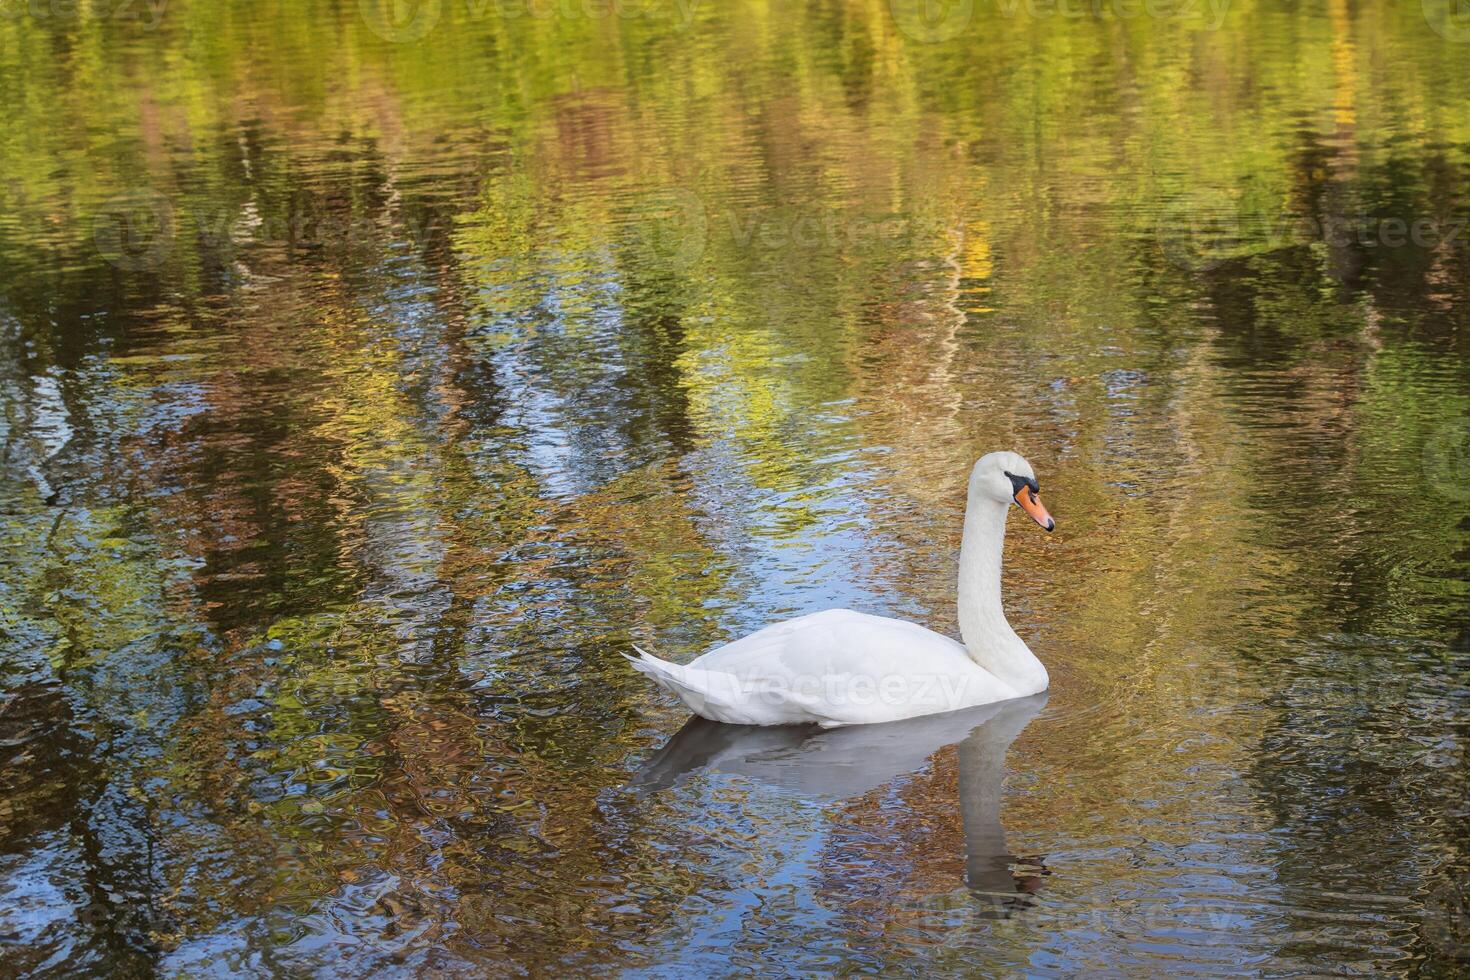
(1009,479)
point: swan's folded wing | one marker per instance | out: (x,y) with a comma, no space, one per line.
(841,667)
(831,668)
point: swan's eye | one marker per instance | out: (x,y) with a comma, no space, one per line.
(1018,482)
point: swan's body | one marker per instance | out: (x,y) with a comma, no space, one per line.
(841,667)
(836,667)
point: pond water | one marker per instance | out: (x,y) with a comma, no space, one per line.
(375,373)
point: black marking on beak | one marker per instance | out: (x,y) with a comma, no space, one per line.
(1017,482)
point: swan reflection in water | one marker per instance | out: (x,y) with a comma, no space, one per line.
(844,763)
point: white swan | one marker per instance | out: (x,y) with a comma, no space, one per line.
(841,667)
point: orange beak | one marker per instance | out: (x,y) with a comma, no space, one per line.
(1028,501)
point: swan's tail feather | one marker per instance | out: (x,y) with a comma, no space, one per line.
(728,698)
(708,693)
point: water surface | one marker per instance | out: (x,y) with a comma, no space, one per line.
(375,373)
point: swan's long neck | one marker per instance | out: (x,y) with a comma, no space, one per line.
(989,639)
